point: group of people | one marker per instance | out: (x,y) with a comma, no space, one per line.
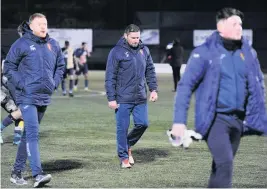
(224,73)
(76,64)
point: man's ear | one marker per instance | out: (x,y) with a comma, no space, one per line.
(30,25)
(125,35)
(220,26)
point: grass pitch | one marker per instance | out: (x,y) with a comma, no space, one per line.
(78,147)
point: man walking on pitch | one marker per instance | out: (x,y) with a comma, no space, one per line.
(129,68)
(35,66)
(225,74)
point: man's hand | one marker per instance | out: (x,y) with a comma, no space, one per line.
(153,96)
(113,105)
(178,130)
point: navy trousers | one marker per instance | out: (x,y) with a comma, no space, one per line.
(29,145)
(223,141)
(140,118)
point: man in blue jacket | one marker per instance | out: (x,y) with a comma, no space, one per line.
(8,103)
(129,68)
(80,58)
(225,75)
(35,66)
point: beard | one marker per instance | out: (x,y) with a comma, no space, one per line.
(134,45)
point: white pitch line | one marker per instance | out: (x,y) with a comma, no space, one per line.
(100,93)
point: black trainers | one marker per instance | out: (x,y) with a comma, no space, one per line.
(16,178)
(41,180)
(71,95)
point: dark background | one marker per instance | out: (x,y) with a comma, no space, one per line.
(108,18)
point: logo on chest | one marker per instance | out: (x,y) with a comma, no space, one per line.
(32,47)
(126,54)
(141,51)
(242,56)
(49,46)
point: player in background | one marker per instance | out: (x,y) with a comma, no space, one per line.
(80,57)
(69,69)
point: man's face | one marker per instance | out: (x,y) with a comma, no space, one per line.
(84,46)
(39,26)
(133,38)
(231,28)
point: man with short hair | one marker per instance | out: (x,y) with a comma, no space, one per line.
(225,74)
(35,66)
(129,68)
(80,57)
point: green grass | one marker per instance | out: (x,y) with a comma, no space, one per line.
(78,147)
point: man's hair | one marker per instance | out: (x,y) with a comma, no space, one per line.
(67,43)
(22,27)
(131,28)
(225,13)
(36,15)
(176,41)
(83,43)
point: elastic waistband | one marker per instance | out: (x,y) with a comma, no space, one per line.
(238,114)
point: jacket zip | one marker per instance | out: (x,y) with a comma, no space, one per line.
(136,73)
(234,67)
(136,78)
(42,68)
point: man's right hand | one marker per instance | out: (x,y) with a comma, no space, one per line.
(178,130)
(113,105)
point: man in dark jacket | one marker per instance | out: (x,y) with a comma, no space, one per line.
(225,74)
(8,102)
(35,66)
(80,56)
(176,54)
(129,68)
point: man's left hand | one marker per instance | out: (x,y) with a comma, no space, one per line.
(153,96)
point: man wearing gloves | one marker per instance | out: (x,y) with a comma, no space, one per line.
(225,75)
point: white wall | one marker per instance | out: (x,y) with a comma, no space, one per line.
(162,68)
